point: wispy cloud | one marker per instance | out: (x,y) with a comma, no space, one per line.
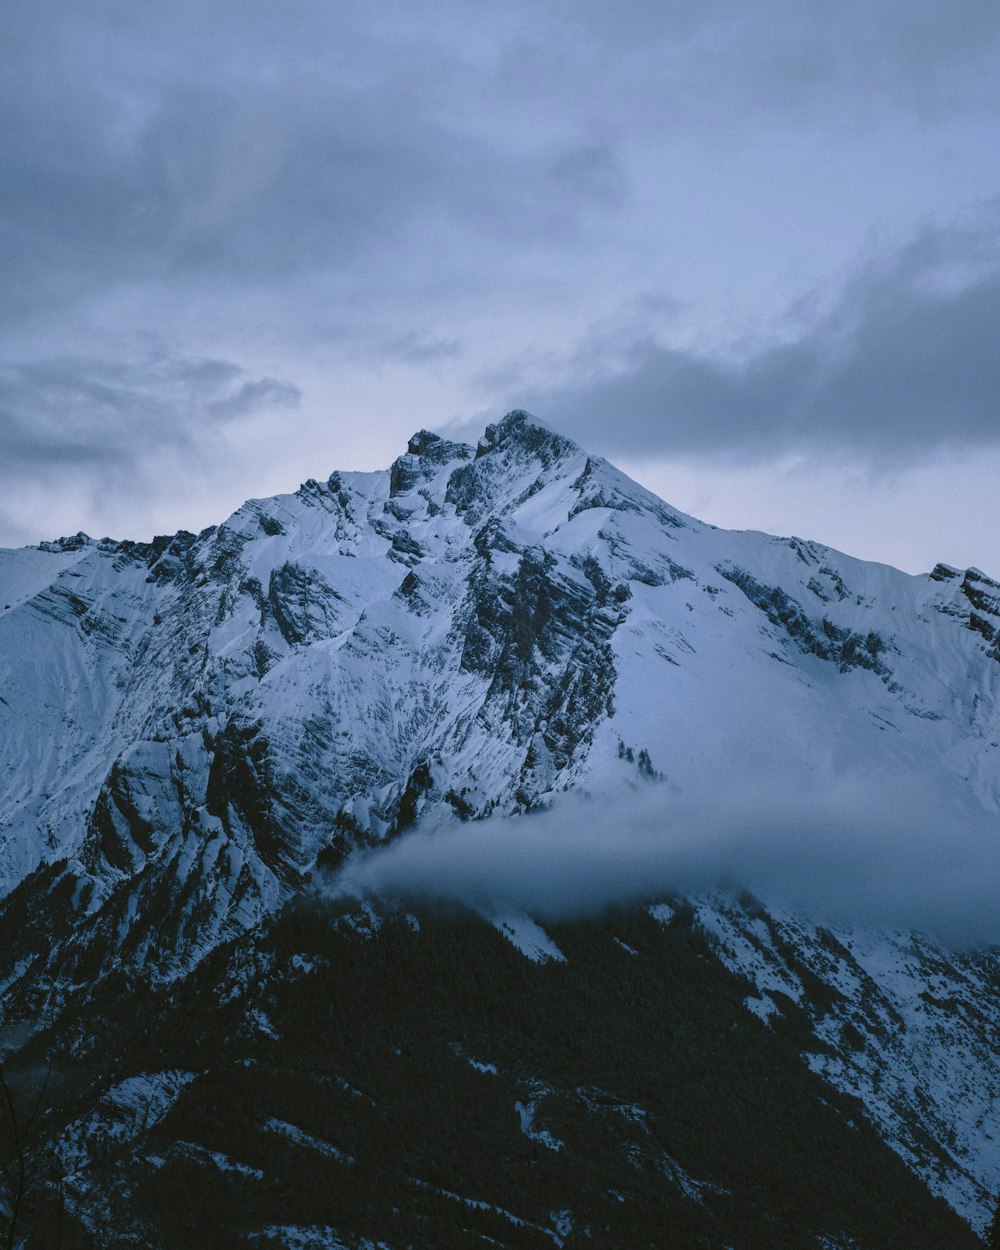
(74,429)
(905,363)
(856,848)
(389,201)
(73,411)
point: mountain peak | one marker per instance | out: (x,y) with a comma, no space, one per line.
(421,442)
(194,731)
(521,429)
(425,453)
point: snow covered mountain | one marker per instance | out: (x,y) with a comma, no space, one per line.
(189,727)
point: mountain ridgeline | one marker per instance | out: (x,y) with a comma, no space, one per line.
(196,734)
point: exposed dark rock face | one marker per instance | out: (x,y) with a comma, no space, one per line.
(303,605)
(824,639)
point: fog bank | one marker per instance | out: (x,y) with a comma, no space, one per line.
(853,850)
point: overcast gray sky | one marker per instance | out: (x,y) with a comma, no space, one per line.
(748,249)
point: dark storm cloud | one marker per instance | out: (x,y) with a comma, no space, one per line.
(907,362)
(76,413)
(251,397)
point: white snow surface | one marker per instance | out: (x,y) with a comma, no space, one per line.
(527,936)
(311,1237)
(301,1138)
(527,1112)
(128,1109)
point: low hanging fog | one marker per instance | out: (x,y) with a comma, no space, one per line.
(860,849)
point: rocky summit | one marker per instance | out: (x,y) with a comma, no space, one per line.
(204,1047)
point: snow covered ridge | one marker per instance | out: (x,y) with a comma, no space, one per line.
(191,728)
(474,627)
(471,631)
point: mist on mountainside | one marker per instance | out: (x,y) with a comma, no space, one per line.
(856,848)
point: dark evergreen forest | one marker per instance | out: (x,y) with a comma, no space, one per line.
(412,1080)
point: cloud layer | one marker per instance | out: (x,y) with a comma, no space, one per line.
(856,849)
(409,215)
(905,363)
(147,428)
(95,412)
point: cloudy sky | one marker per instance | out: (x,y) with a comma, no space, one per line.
(748,249)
